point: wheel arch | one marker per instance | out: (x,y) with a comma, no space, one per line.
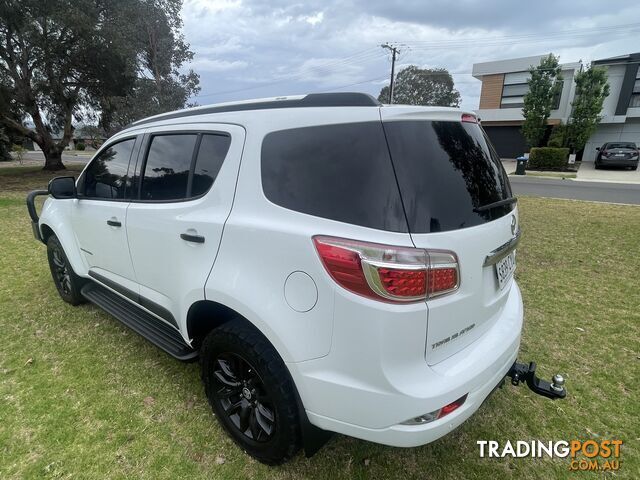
(68,244)
(204,316)
(46,231)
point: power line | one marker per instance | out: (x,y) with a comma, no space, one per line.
(372,53)
(581,31)
(329,66)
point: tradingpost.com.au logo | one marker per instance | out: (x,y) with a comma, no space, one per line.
(590,455)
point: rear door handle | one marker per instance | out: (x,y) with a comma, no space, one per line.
(192,238)
(114,222)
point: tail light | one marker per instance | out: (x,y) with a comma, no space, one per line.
(605,153)
(388,273)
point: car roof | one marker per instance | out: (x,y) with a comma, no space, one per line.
(233,112)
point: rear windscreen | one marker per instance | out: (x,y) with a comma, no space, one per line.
(445,171)
(622,145)
(340,172)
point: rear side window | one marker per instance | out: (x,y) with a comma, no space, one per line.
(445,170)
(166,172)
(339,172)
(182,166)
(106,175)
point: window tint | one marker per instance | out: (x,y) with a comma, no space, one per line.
(621,145)
(445,170)
(213,149)
(340,172)
(166,172)
(106,176)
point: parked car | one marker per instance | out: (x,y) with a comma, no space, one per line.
(617,154)
(336,265)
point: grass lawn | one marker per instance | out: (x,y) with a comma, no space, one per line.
(81,396)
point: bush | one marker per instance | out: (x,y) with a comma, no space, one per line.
(80,146)
(548,158)
(558,137)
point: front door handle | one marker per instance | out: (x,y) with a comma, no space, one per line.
(192,238)
(113,222)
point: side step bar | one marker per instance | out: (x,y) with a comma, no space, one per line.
(156,331)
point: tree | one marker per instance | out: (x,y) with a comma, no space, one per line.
(544,86)
(66,60)
(160,86)
(95,135)
(54,61)
(5,145)
(428,86)
(591,90)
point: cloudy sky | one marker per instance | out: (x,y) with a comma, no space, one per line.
(250,48)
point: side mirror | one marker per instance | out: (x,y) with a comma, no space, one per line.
(598,148)
(62,187)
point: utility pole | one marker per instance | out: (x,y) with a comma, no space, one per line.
(394,52)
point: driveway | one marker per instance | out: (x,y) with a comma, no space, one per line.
(588,173)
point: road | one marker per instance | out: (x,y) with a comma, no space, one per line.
(558,188)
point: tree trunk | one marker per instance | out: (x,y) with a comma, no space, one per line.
(52,159)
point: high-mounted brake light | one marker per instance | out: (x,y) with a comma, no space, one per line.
(467,117)
(388,273)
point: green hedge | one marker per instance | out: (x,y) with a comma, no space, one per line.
(80,146)
(548,158)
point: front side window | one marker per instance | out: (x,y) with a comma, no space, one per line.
(106,175)
(166,172)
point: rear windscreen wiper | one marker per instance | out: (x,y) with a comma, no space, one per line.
(499,203)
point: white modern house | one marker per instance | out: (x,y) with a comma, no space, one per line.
(504,83)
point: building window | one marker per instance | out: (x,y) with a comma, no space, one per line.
(515,87)
(635,95)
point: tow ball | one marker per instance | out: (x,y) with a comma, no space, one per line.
(521,372)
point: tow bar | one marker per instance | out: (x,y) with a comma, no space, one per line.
(521,372)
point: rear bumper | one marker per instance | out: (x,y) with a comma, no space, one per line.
(375,412)
(613,162)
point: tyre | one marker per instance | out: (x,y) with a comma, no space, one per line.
(251,392)
(64,278)
(596,165)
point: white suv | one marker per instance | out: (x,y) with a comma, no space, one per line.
(336,264)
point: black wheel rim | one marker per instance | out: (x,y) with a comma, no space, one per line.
(61,271)
(243,398)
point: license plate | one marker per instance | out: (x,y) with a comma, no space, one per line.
(505,269)
(619,155)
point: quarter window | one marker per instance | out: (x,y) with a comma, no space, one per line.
(213,149)
(106,176)
(339,172)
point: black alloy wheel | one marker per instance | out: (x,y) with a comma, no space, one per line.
(243,397)
(251,391)
(67,282)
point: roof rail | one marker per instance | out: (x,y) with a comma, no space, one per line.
(340,99)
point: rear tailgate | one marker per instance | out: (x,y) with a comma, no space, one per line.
(446,170)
